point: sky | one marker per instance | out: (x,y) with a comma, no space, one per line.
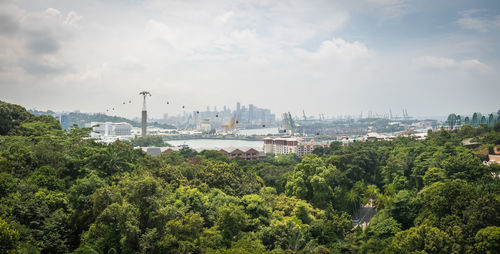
(327,57)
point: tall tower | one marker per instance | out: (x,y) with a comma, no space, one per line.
(144,113)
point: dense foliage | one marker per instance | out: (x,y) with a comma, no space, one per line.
(62,192)
(149,140)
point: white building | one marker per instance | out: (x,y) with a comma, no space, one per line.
(298,146)
(205,125)
(110,129)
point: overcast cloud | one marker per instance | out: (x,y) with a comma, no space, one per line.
(330,57)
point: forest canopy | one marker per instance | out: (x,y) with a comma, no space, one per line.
(62,192)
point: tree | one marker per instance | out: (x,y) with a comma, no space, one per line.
(448,198)
(9,238)
(45,215)
(46,176)
(231,220)
(17,156)
(379,233)
(353,198)
(312,180)
(182,234)
(285,235)
(464,165)
(422,239)
(149,140)
(257,209)
(247,244)
(11,116)
(385,228)
(80,200)
(467,131)
(117,227)
(404,208)
(38,126)
(496,127)
(488,240)
(433,175)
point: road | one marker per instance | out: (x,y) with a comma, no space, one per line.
(363,216)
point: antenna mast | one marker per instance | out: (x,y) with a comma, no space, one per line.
(144,113)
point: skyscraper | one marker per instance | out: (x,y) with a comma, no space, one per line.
(250,113)
(64,122)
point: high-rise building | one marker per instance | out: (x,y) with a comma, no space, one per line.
(64,122)
(250,113)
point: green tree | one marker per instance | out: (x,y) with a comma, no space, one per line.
(11,116)
(9,238)
(433,175)
(182,234)
(149,140)
(464,165)
(442,199)
(488,240)
(117,227)
(231,220)
(404,208)
(285,235)
(422,239)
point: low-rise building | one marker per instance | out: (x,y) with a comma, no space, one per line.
(107,129)
(245,153)
(493,159)
(289,145)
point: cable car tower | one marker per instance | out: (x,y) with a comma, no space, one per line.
(144,113)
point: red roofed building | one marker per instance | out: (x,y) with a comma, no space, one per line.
(494,159)
(245,153)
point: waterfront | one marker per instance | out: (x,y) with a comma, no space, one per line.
(217,143)
(258,131)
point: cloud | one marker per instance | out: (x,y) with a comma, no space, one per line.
(10,16)
(159,30)
(244,28)
(224,18)
(478,20)
(72,18)
(42,42)
(336,49)
(33,40)
(388,9)
(352,55)
(445,63)
(46,65)
(53,12)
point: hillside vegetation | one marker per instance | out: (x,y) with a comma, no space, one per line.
(61,192)
(81,119)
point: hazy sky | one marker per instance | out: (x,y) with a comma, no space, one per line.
(333,57)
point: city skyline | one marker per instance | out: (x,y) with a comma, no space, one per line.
(323,57)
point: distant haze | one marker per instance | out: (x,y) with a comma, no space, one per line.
(331,57)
